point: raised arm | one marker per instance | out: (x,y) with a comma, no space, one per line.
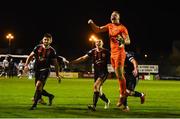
(97,28)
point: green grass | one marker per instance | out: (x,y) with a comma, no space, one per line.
(73,95)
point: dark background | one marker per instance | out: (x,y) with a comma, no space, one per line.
(152,25)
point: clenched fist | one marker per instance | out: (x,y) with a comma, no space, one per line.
(90,21)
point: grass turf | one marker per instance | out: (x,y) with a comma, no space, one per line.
(73,95)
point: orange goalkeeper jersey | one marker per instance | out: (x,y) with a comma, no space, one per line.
(115,30)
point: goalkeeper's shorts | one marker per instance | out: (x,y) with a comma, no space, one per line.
(118,60)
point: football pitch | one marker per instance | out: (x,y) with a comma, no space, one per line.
(73,95)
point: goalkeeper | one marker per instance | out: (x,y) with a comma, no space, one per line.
(117,45)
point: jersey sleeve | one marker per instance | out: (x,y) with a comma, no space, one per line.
(90,53)
(107,25)
(130,56)
(124,32)
(36,49)
(53,53)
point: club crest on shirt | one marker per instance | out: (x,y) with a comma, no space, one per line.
(103,55)
(41,58)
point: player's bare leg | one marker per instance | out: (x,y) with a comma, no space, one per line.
(122,85)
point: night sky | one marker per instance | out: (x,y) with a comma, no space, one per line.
(152,25)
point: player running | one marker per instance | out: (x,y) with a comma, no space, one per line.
(44,55)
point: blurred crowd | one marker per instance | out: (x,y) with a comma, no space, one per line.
(10,68)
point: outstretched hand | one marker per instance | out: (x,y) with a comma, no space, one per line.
(120,40)
(90,21)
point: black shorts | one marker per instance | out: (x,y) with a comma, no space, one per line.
(101,75)
(21,71)
(42,76)
(131,81)
(6,69)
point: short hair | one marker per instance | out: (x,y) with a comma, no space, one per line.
(116,12)
(48,35)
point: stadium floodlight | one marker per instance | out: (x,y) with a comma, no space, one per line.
(9,37)
(93,38)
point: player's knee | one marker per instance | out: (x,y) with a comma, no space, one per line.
(119,73)
(130,92)
(96,88)
(39,88)
(39,85)
(119,76)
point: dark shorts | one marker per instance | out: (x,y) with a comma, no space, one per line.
(6,69)
(42,76)
(131,81)
(21,71)
(101,75)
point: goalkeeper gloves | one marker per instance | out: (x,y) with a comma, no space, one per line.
(120,40)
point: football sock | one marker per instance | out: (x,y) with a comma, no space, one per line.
(103,97)
(45,93)
(125,102)
(95,98)
(137,94)
(37,97)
